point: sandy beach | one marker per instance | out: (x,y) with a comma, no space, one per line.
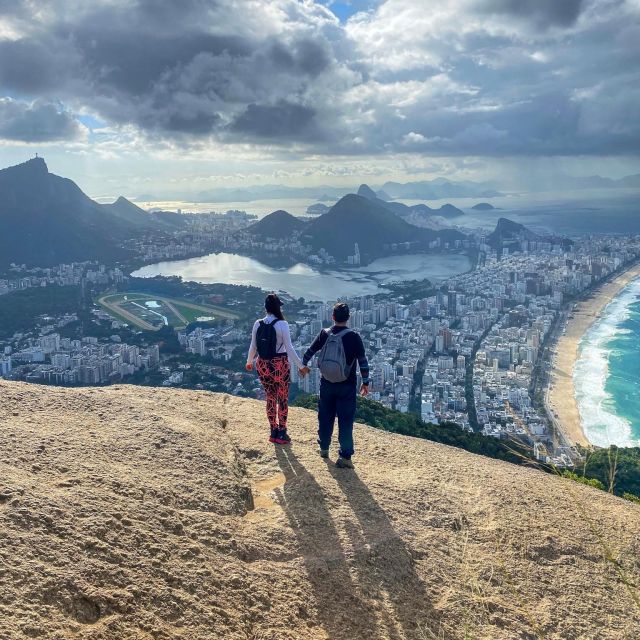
(561,397)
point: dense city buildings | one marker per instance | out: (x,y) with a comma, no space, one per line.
(474,351)
(479,338)
(76,273)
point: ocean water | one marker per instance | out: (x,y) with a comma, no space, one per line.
(563,212)
(607,373)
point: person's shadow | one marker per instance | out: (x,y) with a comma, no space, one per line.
(388,566)
(372,590)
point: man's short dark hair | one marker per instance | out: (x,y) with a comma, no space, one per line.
(340,311)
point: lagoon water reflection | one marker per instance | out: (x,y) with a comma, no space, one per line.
(301,280)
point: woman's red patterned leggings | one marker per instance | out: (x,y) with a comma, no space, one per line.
(275,376)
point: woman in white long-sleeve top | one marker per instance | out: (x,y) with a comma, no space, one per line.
(271,342)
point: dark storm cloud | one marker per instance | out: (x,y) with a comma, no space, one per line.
(121,60)
(312,56)
(198,123)
(37,122)
(303,56)
(543,13)
(32,66)
(165,13)
(12,7)
(283,119)
(172,68)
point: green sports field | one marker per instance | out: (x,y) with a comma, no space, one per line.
(151,312)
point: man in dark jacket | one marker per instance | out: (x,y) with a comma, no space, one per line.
(339,398)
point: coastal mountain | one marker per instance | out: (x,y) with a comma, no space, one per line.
(126,210)
(508,232)
(483,206)
(440,188)
(46,219)
(423,190)
(448,211)
(508,229)
(357,219)
(437,189)
(444,211)
(279,224)
(406,211)
(205,530)
(598,182)
(365,191)
(318,209)
(129,212)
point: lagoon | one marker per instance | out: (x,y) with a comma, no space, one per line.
(302,280)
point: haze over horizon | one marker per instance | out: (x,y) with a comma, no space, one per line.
(167,98)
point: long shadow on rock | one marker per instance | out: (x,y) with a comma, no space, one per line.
(342,609)
(384,564)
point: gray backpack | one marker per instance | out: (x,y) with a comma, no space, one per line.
(332,361)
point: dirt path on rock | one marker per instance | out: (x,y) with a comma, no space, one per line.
(149,513)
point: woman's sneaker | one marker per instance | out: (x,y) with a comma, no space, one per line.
(344,463)
(282,437)
(324,453)
(274,434)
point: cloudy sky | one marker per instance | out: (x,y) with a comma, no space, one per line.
(161,96)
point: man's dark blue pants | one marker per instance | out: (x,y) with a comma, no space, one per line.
(337,399)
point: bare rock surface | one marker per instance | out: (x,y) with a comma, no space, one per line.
(128,512)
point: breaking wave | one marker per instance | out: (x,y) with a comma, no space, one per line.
(602,426)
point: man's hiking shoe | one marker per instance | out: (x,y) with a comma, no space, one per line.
(324,453)
(274,434)
(344,463)
(282,437)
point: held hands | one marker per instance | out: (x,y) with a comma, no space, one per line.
(364,390)
(304,371)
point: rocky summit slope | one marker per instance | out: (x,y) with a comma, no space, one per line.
(148,513)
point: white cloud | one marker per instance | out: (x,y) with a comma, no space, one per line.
(413,138)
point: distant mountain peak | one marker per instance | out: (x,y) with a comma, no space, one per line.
(483,206)
(281,213)
(371,224)
(449,211)
(33,166)
(278,224)
(367,192)
(509,231)
(46,219)
(351,198)
(505,223)
(37,164)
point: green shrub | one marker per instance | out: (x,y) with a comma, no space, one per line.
(409,424)
(19,310)
(615,467)
(591,482)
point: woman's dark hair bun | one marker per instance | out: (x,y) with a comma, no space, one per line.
(272,298)
(273,304)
